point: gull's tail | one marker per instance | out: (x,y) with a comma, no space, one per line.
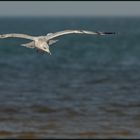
(29,45)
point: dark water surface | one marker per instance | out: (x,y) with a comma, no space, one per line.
(88,88)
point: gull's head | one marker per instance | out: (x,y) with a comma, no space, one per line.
(46,49)
(42,45)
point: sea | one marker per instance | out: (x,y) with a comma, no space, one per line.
(88,88)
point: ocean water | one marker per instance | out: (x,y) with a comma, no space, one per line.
(88,88)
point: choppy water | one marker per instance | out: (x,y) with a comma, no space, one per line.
(88,88)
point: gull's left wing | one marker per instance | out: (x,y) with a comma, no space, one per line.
(54,35)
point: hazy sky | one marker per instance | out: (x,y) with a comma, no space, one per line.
(69,8)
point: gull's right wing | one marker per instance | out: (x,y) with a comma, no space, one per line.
(17,36)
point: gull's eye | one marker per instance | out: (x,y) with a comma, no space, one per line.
(44,47)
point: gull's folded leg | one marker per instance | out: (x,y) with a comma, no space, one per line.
(40,51)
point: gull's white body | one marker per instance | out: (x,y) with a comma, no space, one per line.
(43,42)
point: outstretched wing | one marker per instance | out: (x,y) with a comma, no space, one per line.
(53,35)
(17,36)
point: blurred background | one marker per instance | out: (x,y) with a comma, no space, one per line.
(88,87)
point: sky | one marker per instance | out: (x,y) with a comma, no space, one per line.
(69,8)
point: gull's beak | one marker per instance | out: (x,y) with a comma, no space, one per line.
(49,52)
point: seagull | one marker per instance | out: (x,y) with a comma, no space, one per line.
(42,43)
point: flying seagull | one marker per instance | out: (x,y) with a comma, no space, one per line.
(42,42)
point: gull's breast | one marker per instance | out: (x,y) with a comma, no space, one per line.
(40,43)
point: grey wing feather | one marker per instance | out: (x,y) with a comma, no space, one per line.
(53,35)
(52,42)
(17,36)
